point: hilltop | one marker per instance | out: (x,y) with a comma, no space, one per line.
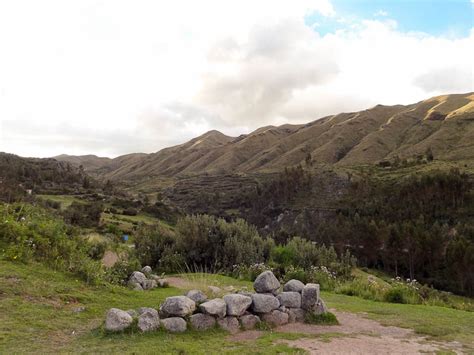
(442,125)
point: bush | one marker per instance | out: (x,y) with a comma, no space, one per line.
(121,271)
(327,318)
(395,295)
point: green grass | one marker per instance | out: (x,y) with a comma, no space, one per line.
(36,315)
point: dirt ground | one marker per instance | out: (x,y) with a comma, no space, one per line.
(355,335)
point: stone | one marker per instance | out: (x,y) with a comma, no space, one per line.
(264,303)
(320,307)
(146,270)
(142,310)
(231,324)
(237,304)
(266,282)
(174,324)
(249,321)
(149,320)
(296,315)
(275,318)
(293,286)
(201,321)
(163,283)
(215,290)
(137,277)
(290,299)
(197,296)
(78,309)
(136,286)
(179,306)
(117,320)
(149,284)
(309,296)
(216,307)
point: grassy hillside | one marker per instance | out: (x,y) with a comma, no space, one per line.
(442,126)
(40,312)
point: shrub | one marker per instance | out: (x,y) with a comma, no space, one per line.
(327,318)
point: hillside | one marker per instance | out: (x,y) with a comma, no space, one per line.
(443,125)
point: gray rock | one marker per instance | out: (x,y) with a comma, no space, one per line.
(179,306)
(310,297)
(283,309)
(197,296)
(142,310)
(135,286)
(215,290)
(249,321)
(237,304)
(266,282)
(231,324)
(174,324)
(149,321)
(149,284)
(137,277)
(290,299)
(320,307)
(275,318)
(293,286)
(264,303)
(78,309)
(201,321)
(296,315)
(146,270)
(163,283)
(216,307)
(117,320)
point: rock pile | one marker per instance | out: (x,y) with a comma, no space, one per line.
(145,280)
(233,312)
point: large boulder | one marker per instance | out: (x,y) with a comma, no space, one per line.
(293,286)
(117,320)
(266,282)
(264,303)
(197,296)
(310,297)
(201,321)
(142,310)
(216,307)
(237,304)
(290,299)
(137,277)
(146,270)
(214,290)
(174,324)
(231,324)
(179,306)
(295,315)
(149,321)
(249,321)
(275,318)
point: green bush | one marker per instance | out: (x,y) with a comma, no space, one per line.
(327,318)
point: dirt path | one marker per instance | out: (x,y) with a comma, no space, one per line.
(355,335)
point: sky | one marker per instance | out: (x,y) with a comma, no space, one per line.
(114,77)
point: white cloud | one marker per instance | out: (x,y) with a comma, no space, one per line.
(117,76)
(382,13)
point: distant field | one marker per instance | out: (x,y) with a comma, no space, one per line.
(64,200)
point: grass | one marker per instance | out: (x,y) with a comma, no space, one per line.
(64,200)
(37,314)
(327,318)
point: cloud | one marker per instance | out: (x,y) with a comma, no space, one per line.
(112,77)
(382,13)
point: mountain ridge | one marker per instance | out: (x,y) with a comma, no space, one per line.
(443,124)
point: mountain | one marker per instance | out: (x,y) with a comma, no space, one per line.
(443,125)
